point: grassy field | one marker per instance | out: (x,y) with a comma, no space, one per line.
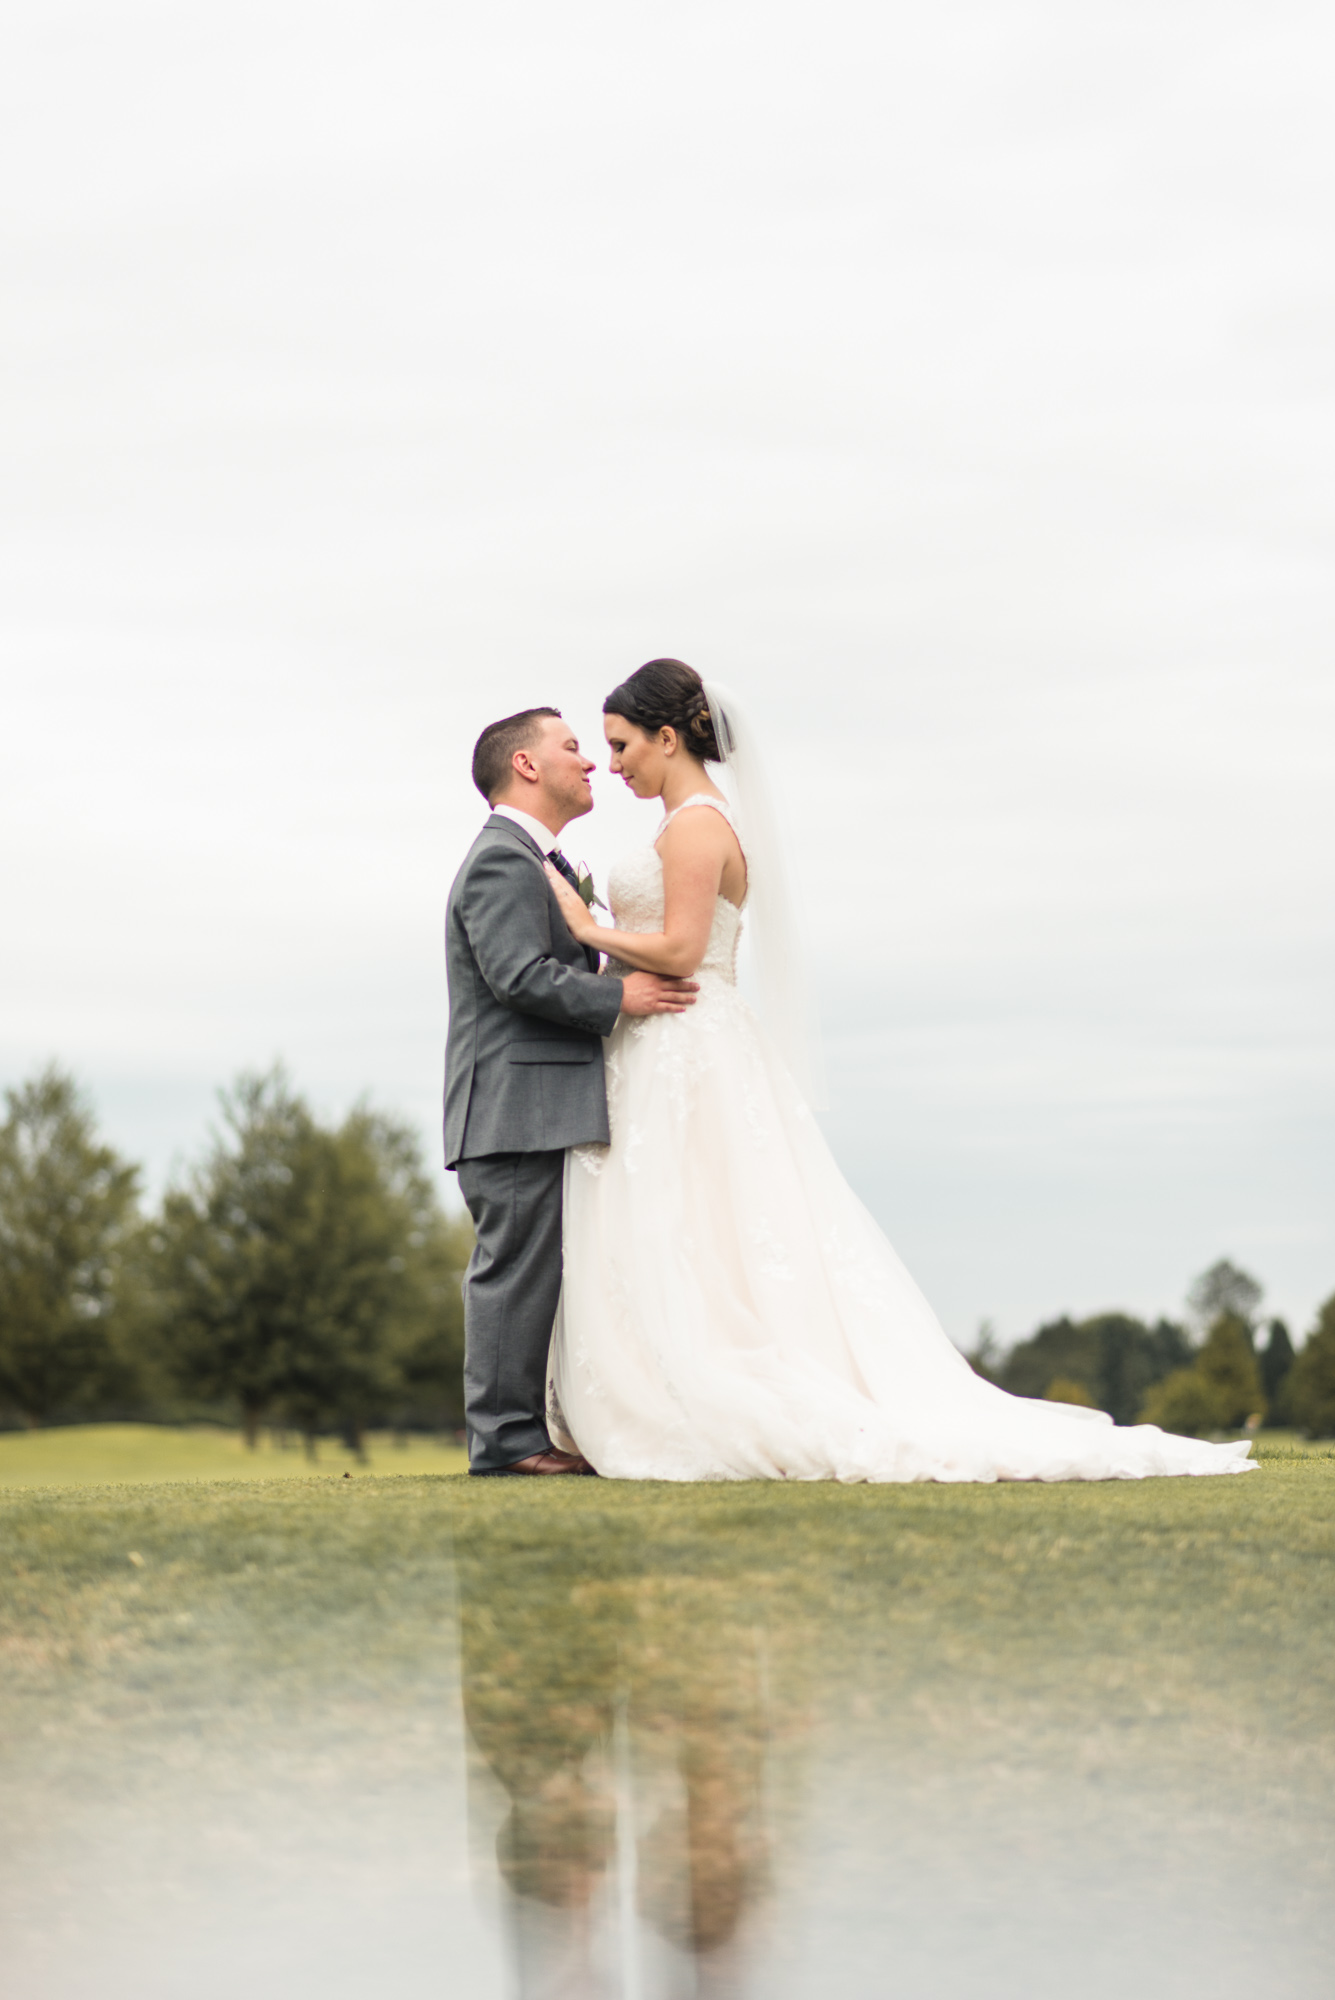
(150,1454)
(147,1454)
(1204,1586)
(1118,1695)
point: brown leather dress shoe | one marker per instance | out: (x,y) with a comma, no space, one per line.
(550,1461)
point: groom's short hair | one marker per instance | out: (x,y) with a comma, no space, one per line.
(497,745)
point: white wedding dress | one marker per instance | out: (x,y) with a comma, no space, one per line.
(729,1309)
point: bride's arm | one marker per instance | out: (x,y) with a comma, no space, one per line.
(695,850)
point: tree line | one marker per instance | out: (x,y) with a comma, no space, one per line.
(301,1275)
(1225,1368)
(304,1276)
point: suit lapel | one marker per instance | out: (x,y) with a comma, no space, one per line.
(498,822)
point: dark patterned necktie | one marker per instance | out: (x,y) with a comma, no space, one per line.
(563,867)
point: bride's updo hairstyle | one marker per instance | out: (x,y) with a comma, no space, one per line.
(667,694)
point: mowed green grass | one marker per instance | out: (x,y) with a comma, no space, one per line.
(151,1454)
(214,1694)
(148,1454)
(1111,1672)
(1218,1591)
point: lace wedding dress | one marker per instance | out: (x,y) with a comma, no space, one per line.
(730,1310)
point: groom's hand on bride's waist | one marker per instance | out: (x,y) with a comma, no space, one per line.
(651,993)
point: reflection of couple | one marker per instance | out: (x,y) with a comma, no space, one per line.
(627,1717)
(728,1309)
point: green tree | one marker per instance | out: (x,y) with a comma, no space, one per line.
(425,1330)
(1219,1392)
(1228,1364)
(1276,1360)
(67,1217)
(1224,1288)
(1184,1403)
(1059,1350)
(1311,1386)
(301,1267)
(1061,1390)
(1132,1358)
(431,1360)
(1113,1357)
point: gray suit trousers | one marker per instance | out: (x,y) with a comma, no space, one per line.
(510,1295)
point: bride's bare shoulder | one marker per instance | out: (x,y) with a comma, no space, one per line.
(702,847)
(694,829)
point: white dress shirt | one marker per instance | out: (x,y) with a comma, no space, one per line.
(546,839)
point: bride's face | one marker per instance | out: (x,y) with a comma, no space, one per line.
(639,760)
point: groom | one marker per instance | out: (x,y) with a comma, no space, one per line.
(523,1075)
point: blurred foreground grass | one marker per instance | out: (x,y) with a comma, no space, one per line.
(1128,1689)
(1188,1594)
(146,1454)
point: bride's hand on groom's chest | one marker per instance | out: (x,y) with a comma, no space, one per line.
(580,920)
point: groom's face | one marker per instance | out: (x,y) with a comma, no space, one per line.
(562,769)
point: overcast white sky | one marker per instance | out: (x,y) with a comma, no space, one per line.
(958,381)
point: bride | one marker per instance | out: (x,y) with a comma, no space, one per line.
(729,1309)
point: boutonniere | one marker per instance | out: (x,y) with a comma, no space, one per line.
(584,883)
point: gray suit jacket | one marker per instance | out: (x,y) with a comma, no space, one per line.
(524,1060)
